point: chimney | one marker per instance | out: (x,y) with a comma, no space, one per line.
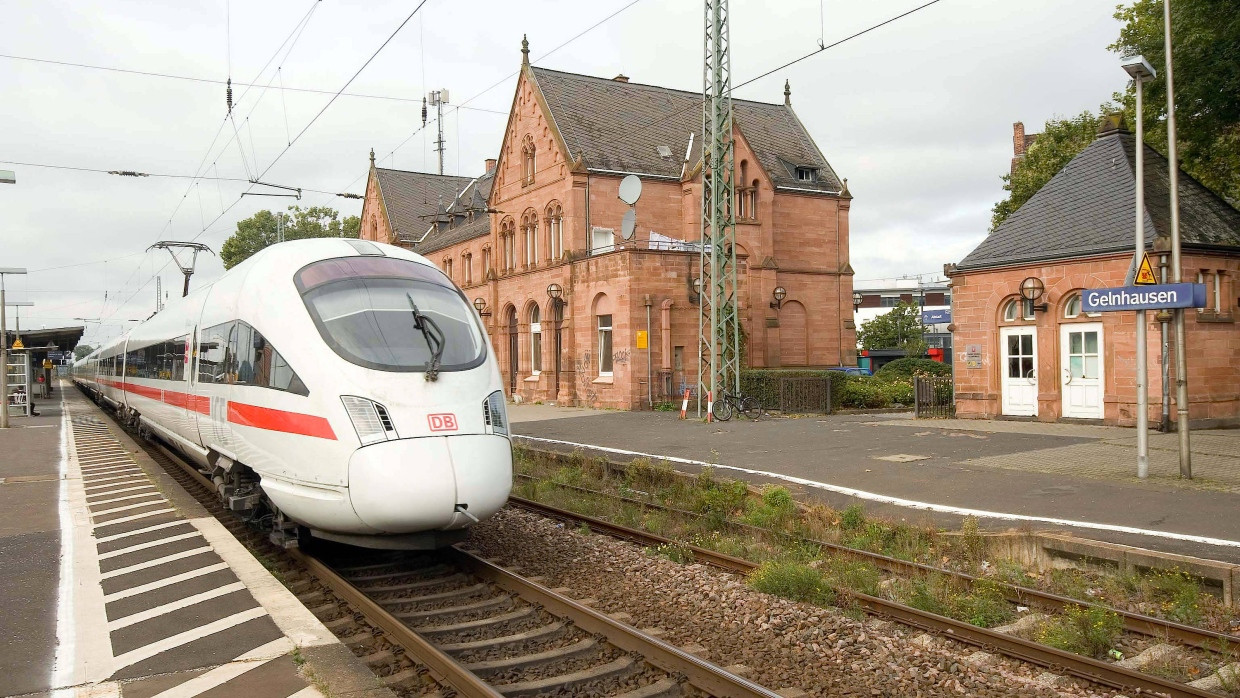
(490,165)
(621,78)
(1018,139)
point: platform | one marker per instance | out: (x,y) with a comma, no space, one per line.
(1065,477)
(117,583)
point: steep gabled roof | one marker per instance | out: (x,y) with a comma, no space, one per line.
(619,126)
(413,198)
(1088,208)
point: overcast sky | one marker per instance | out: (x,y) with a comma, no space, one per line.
(917,114)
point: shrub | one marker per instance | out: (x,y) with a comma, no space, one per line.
(774,511)
(853,517)
(792,580)
(720,500)
(985,605)
(857,575)
(1177,594)
(864,392)
(909,367)
(1089,631)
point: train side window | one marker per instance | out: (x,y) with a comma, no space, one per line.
(268,368)
(213,359)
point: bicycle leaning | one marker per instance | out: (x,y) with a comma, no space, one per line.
(729,404)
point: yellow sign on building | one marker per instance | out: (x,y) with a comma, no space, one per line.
(17,344)
(1145,273)
(642,339)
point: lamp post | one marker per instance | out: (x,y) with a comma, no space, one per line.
(556,293)
(1177,269)
(4,350)
(1141,70)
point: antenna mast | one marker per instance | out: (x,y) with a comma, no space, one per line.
(719,323)
(437,99)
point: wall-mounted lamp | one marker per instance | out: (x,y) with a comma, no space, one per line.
(695,290)
(780,293)
(1031,289)
(481,306)
(555,291)
(858,297)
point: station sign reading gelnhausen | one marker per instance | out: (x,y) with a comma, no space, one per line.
(1156,297)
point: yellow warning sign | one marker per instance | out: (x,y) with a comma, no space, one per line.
(1145,273)
(17,344)
(642,339)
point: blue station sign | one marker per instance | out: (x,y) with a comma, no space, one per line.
(1156,297)
(934,317)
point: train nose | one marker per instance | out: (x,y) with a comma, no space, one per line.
(426,483)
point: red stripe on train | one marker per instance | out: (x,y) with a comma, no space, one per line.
(279,420)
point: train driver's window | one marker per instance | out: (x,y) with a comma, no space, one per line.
(213,354)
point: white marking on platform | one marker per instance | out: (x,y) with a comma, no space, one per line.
(126,498)
(127,507)
(135,517)
(289,614)
(167,581)
(156,562)
(174,606)
(146,652)
(63,661)
(107,479)
(140,531)
(126,489)
(901,502)
(110,464)
(222,674)
(149,544)
(308,692)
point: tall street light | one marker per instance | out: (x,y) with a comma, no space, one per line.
(1177,269)
(4,350)
(1141,70)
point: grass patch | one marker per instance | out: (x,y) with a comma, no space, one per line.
(1089,631)
(1177,595)
(792,580)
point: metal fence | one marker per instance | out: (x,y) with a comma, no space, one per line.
(804,394)
(933,397)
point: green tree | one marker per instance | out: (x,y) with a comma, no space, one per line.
(1206,49)
(82,350)
(260,230)
(898,328)
(1060,141)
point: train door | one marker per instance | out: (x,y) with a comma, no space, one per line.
(212,384)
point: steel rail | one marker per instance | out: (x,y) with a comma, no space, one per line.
(1054,659)
(700,673)
(1139,623)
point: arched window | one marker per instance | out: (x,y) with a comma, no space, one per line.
(447,266)
(603,321)
(529,237)
(507,255)
(555,230)
(535,341)
(486,261)
(1018,309)
(1072,308)
(467,267)
(528,161)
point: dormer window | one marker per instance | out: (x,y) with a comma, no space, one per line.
(807,174)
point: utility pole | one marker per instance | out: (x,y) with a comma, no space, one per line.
(186,269)
(1177,268)
(4,350)
(437,99)
(719,322)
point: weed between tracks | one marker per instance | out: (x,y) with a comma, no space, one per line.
(768,527)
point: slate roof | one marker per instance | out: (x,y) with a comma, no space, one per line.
(413,199)
(619,126)
(1087,208)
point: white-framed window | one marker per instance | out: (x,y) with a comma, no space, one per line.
(806,174)
(535,342)
(604,240)
(1017,309)
(604,345)
(1072,308)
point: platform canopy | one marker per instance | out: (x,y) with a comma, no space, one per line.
(50,339)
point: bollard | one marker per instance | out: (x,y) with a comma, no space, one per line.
(684,406)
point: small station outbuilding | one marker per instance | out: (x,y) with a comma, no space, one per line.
(1048,360)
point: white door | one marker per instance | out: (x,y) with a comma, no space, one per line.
(1019,347)
(1081,370)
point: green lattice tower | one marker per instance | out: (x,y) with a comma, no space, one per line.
(719,324)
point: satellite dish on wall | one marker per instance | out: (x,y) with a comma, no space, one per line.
(630,189)
(629,224)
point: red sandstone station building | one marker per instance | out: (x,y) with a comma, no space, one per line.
(581,316)
(1050,361)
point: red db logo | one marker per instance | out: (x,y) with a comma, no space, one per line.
(445,421)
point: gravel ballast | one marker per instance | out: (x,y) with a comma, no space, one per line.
(782,644)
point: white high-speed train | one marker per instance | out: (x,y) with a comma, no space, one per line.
(342,386)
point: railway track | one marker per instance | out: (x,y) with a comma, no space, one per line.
(1057,661)
(477,629)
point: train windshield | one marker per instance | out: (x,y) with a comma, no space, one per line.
(361,306)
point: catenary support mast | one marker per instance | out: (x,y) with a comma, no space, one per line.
(719,323)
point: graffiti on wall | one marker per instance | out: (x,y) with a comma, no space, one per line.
(620,358)
(586,390)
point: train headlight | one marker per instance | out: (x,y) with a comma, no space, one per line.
(370,419)
(495,413)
